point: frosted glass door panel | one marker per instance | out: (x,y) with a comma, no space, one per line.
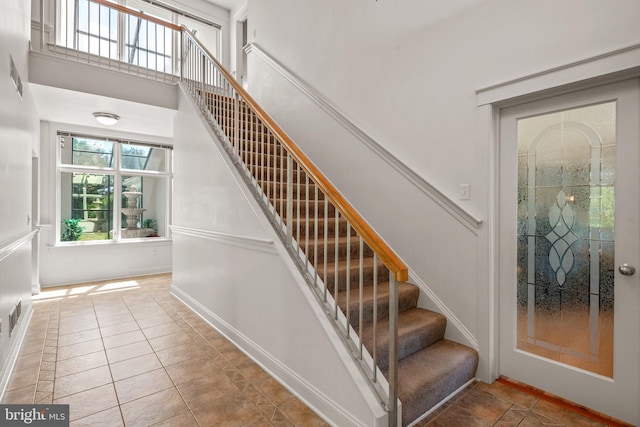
(565,249)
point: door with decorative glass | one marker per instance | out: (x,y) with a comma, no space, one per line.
(569,243)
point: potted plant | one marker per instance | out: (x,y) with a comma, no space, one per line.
(72,230)
(152,224)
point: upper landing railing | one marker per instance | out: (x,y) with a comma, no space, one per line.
(336,249)
(109,35)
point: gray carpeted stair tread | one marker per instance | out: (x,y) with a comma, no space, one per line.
(417,329)
(427,377)
(408,295)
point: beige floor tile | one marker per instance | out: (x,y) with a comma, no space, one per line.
(123,339)
(179,354)
(142,385)
(458,417)
(79,337)
(23,378)
(484,405)
(227,412)
(201,392)
(80,363)
(72,327)
(563,415)
(279,420)
(90,401)
(134,366)
(161,319)
(81,381)
(111,311)
(79,349)
(300,415)
(273,391)
(108,418)
(43,398)
(171,340)
(509,394)
(32,347)
(163,329)
(193,369)
(128,351)
(153,409)
(183,420)
(115,319)
(28,361)
(44,386)
(119,328)
(23,394)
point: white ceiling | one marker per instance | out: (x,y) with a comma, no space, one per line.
(77,108)
(227,4)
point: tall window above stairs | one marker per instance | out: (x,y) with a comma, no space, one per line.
(93,32)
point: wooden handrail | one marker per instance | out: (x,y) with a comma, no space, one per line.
(138,14)
(375,242)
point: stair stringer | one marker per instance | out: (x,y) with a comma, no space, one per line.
(278,324)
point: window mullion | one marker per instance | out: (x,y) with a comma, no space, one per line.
(169,192)
(117,193)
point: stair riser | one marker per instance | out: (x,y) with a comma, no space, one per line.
(343,250)
(308,228)
(407,344)
(267,160)
(267,174)
(331,210)
(353,274)
(248,136)
(405,302)
(258,148)
(302,192)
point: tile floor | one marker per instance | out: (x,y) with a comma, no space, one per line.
(498,404)
(126,352)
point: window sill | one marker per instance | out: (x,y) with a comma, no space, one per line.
(160,241)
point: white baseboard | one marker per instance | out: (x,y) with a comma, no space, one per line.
(129,274)
(20,333)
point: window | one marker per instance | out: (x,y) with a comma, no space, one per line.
(102,32)
(112,189)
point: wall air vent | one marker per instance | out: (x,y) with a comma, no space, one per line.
(15,77)
(13,320)
(14,315)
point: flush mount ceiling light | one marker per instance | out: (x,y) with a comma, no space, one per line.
(106,119)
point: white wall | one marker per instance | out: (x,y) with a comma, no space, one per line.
(231,268)
(18,141)
(406,73)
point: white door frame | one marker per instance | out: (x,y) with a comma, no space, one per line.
(616,65)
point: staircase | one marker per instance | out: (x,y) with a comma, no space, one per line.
(358,279)
(430,367)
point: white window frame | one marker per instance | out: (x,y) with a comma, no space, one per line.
(117,172)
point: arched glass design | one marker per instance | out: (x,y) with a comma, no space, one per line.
(565,294)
